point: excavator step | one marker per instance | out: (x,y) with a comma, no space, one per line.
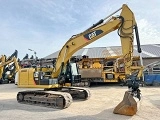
(53,99)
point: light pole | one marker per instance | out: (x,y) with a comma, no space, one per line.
(34,53)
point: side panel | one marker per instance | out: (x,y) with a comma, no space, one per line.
(26,79)
(23,77)
(91,73)
(30,76)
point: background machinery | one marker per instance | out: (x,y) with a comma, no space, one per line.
(110,69)
(8,67)
(57,83)
(2,65)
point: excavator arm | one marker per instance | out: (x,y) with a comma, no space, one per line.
(125,24)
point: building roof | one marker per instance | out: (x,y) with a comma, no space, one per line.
(148,51)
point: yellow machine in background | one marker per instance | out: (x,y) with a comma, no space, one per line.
(56,92)
(2,64)
(8,67)
(110,69)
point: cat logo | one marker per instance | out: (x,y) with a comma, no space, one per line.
(93,34)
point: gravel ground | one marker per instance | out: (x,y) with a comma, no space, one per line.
(99,107)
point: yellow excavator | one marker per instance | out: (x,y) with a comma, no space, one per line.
(58,83)
(10,65)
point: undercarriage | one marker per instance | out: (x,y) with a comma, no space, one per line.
(58,99)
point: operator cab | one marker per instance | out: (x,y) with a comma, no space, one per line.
(69,74)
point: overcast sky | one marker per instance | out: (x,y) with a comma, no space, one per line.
(45,25)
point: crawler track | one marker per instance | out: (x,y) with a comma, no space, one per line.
(55,99)
(58,100)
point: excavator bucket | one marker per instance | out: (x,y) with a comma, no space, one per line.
(128,106)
